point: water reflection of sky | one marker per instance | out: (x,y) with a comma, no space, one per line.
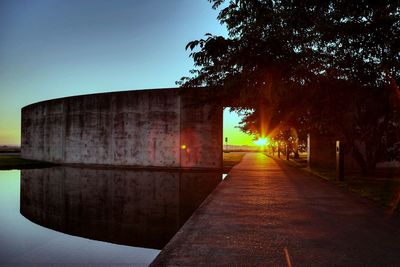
(25,243)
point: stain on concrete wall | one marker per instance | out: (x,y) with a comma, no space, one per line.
(42,131)
(201,131)
(132,128)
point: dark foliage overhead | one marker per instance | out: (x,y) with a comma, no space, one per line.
(328,66)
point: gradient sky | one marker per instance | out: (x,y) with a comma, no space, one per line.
(57,48)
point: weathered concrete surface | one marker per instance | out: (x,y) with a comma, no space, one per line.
(201,131)
(133,128)
(269,214)
(322,153)
(131,207)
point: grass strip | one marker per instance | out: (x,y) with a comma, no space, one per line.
(230,159)
(382,188)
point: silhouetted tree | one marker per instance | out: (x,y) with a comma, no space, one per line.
(328,66)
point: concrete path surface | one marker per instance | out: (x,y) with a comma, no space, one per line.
(268,214)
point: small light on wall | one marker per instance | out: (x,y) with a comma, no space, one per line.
(183,146)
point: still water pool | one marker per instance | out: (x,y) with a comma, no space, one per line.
(65,216)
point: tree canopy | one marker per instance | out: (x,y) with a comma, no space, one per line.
(327,66)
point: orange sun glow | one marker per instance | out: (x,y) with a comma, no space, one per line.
(263,141)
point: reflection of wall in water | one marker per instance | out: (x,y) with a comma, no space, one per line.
(138,208)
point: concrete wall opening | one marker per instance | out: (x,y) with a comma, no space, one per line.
(233,137)
(164,128)
(235,143)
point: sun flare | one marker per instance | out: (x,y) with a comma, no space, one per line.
(263,141)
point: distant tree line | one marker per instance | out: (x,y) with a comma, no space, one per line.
(330,67)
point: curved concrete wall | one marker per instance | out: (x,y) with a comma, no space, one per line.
(149,128)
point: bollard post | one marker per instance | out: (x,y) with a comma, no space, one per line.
(308,150)
(339,161)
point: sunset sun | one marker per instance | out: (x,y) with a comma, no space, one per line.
(262,141)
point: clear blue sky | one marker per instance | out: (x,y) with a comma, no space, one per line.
(56,48)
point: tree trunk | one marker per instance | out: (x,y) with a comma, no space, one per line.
(295,136)
(358,156)
(367,162)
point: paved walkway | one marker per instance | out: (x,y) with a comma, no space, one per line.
(268,214)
